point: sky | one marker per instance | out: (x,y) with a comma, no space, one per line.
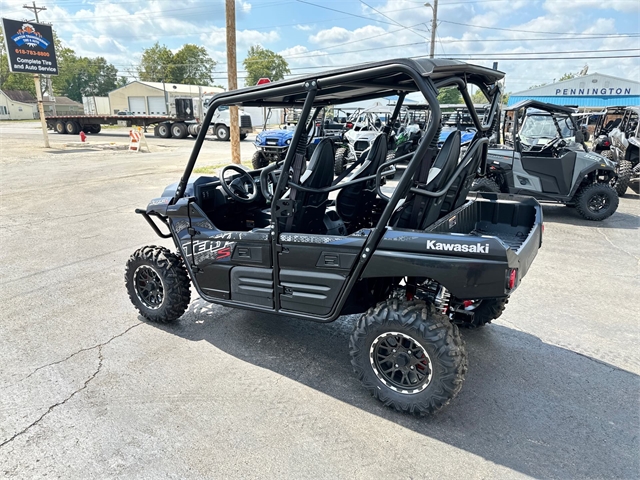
(534,41)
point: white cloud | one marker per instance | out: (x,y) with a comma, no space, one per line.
(304,28)
(563,8)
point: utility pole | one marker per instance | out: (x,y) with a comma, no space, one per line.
(232,77)
(434,25)
(36,79)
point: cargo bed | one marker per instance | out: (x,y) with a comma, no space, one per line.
(471,250)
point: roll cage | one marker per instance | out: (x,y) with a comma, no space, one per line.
(515,115)
(369,81)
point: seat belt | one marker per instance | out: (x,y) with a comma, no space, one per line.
(298,163)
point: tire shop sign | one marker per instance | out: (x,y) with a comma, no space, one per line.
(30,47)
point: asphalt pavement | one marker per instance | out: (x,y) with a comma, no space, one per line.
(88,389)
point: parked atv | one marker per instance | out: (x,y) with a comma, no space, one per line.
(608,121)
(414,266)
(625,145)
(271,146)
(541,160)
(363,128)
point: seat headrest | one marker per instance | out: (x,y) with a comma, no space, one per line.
(323,150)
(446,159)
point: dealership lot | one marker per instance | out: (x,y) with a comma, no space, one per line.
(90,390)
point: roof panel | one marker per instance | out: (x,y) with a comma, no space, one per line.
(378,79)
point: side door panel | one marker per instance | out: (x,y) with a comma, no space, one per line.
(226,265)
(555,174)
(313,270)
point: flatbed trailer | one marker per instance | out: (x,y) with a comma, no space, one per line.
(180,125)
(74,124)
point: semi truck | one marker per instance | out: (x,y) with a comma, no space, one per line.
(186,122)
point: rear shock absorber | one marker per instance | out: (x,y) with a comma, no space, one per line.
(442,299)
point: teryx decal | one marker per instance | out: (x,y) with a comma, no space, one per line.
(208,250)
(457,247)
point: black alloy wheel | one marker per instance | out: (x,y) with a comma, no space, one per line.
(148,286)
(400,362)
(598,202)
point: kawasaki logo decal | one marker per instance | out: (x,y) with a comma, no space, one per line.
(456,247)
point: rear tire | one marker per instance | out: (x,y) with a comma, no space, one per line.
(179,130)
(243,136)
(164,130)
(596,201)
(95,129)
(393,337)
(157,284)
(484,184)
(339,162)
(258,160)
(72,127)
(623,175)
(60,127)
(487,310)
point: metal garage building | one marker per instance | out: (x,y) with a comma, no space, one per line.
(592,92)
(151,98)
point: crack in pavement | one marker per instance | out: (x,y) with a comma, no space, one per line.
(75,392)
(616,246)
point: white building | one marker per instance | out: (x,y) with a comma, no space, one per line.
(152,98)
(17,105)
(594,91)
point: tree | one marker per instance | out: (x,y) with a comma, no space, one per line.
(478,97)
(191,65)
(263,63)
(156,64)
(84,76)
(567,76)
(450,96)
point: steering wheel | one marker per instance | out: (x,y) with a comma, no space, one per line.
(551,143)
(242,189)
(269,176)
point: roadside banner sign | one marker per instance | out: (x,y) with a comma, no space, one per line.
(30,47)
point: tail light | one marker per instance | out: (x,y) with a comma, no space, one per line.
(512,278)
(349,125)
(606,143)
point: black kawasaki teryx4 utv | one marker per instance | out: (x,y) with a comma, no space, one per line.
(412,265)
(545,156)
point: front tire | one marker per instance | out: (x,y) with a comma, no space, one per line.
(484,184)
(258,160)
(596,201)
(408,357)
(339,161)
(158,284)
(222,133)
(623,175)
